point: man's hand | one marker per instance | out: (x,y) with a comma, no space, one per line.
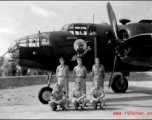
(64,96)
(84,95)
(78,99)
(98,99)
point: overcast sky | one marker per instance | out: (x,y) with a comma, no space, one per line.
(21,18)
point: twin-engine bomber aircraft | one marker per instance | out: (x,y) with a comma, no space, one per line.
(125,48)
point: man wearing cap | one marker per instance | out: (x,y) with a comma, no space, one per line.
(62,74)
(58,98)
(78,97)
(98,73)
(80,74)
(97,96)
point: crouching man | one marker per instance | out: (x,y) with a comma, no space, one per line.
(78,97)
(58,98)
(97,96)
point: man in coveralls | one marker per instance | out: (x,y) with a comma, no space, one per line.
(62,74)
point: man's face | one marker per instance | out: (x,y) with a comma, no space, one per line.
(57,87)
(97,61)
(96,85)
(77,86)
(62,62)
(79,62)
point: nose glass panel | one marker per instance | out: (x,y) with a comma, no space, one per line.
(13,46)
(35,40)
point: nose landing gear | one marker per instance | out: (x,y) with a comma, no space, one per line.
(45,93)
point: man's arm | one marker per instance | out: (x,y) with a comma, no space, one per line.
(102,94)
(52,98)
(92,71)
(103,72)
(85,72)
(91,95)
(74,72)
(68,71)
(57,70)
(72,95)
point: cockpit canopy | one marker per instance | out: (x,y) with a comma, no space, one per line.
(80,29)
(34,40)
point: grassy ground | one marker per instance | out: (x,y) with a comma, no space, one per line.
(20,81)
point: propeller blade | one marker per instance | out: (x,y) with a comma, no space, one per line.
(112,71)
(112,19)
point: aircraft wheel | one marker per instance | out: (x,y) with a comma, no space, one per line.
(44,95)
(118,85)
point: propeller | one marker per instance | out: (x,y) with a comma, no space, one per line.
(113,20)
(114,25)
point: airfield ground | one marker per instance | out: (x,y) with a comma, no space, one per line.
(23,103)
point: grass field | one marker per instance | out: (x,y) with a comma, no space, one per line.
(20,81)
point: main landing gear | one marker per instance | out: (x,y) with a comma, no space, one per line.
(119,84)
(45,93)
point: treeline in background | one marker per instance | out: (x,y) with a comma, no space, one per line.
(9,67)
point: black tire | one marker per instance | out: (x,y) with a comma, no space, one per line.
(44,92)
(117,86)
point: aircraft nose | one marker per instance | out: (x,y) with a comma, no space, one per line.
(15,55)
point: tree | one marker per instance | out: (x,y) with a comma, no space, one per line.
(9,68)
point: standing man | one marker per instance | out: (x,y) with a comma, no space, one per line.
(98,73)
(62,74)
(80,74)
(97,96)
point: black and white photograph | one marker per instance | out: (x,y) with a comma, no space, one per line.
(75,59)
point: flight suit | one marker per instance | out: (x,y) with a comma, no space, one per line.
(76,94)
(95,93)
(57,98)
(98,73)
(62,74)
(80,73)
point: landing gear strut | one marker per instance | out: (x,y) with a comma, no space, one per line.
(119,84)
(45,92)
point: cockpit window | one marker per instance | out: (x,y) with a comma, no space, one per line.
(45,40)
(92,30)
(35,40)
(65,27)
(80,29)
(71,29)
